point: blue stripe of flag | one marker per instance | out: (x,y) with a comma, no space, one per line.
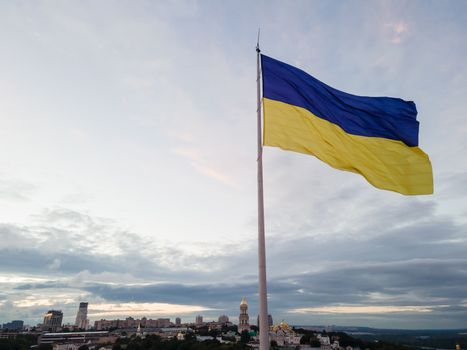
(385,117)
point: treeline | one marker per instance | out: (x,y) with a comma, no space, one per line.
(423,339)
(19,342)
(310,337)
(154,342)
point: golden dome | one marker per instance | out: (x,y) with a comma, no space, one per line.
(244,301)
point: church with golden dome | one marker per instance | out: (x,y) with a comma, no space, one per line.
(243,319)
(284,335)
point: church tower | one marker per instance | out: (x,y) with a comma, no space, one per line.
(243,319)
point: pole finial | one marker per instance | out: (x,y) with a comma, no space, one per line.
(257,43)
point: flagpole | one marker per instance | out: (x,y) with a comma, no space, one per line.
(263,304)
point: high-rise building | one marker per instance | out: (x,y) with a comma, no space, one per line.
(178,321)
(163,322)
(16,325)
(82,316)
(223,319)
(53,320)
(199,320)
(243,319)
(130,322)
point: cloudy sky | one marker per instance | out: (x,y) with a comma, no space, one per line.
(128,163)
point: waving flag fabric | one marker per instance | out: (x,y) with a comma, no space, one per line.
(376,137)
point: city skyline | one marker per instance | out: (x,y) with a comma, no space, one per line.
(81,321)
(128,163)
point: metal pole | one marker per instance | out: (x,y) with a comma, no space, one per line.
(263,303)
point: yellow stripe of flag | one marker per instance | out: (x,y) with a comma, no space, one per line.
(386,164)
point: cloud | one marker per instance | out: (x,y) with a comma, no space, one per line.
(212,294)
(361,309)
(198,161)
(32,301)
(215,174)
(15,190)
(55,265)
(453,185)
(141,309)
(398,260)
(397,31)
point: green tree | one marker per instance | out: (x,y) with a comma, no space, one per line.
(20,342)
(45,347)
(189,336)
(305,339)
(245,336)
(233,328)
(314,342)
(214,333)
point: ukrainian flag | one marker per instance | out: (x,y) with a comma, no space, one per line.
(376,137)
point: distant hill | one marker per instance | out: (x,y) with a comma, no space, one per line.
(413,338)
